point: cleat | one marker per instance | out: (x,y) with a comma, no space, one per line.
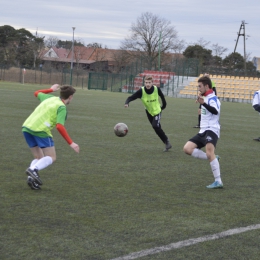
(34,175)
(257,139)
(196,126)
(215,185)
(32,184)
(167,146)
(218,157)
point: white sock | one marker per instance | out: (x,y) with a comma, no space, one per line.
(197,153)
(42,163)
(215,170)
(34,161)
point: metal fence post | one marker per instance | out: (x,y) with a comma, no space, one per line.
(50,76)
(41,77)
(89,80)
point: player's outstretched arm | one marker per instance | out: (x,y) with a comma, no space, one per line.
(137,94)
(75,147)
(55,87)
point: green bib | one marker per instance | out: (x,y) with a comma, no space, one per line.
(44,117)
(151,101)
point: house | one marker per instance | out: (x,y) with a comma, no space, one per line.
(88,58)
(56,53)
(59,57)
(94,59)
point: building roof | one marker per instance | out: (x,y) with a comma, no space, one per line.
(55,53)
(90,55)
(81,53)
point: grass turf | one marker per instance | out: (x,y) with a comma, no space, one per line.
(122,195)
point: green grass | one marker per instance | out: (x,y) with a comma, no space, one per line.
(122,195)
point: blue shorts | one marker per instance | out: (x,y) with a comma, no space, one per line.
(41,142)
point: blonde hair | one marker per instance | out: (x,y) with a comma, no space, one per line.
(148,77)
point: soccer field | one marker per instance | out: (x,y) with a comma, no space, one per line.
(124,195)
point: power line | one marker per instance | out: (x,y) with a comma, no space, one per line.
(240,33)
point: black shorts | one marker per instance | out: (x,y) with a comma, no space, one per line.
(202,139)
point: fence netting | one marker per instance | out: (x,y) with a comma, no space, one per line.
(170,77)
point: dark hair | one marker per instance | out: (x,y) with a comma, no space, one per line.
(205,81)
(66,91)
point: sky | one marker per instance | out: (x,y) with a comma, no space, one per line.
(109,22)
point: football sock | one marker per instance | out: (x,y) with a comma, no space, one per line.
(215,170)
(42,163)
(197,153)
(33,162)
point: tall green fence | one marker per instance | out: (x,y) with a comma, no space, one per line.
(127,79)
(111,81)
(130,78)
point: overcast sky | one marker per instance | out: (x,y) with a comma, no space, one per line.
(108,21)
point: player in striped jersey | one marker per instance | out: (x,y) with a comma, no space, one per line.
(209,130)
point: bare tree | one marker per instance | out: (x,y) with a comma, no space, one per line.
(79,42)
(201,42)
(51,41)
(95,45)
(121,59)
(218,50)
(149,36)
(79,53)
(100,54)
(180,46)
(248,56)
(101,59)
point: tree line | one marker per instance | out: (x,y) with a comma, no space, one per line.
(152,38)
(19,47)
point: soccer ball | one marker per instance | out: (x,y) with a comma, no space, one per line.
(121,129)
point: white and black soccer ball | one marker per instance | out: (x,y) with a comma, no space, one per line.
(120,129)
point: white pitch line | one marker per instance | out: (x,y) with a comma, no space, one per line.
(187,242)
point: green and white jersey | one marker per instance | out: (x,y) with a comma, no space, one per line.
(46,115)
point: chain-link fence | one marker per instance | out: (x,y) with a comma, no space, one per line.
(172,76)
(112,82)
(44,76)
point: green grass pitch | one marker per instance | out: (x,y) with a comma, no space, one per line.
(123,195)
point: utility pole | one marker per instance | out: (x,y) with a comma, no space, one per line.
(159,52)
(242,27)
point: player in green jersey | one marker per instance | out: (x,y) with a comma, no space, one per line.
(149,94)
(50,113)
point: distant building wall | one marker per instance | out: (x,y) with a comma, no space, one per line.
(256,61)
